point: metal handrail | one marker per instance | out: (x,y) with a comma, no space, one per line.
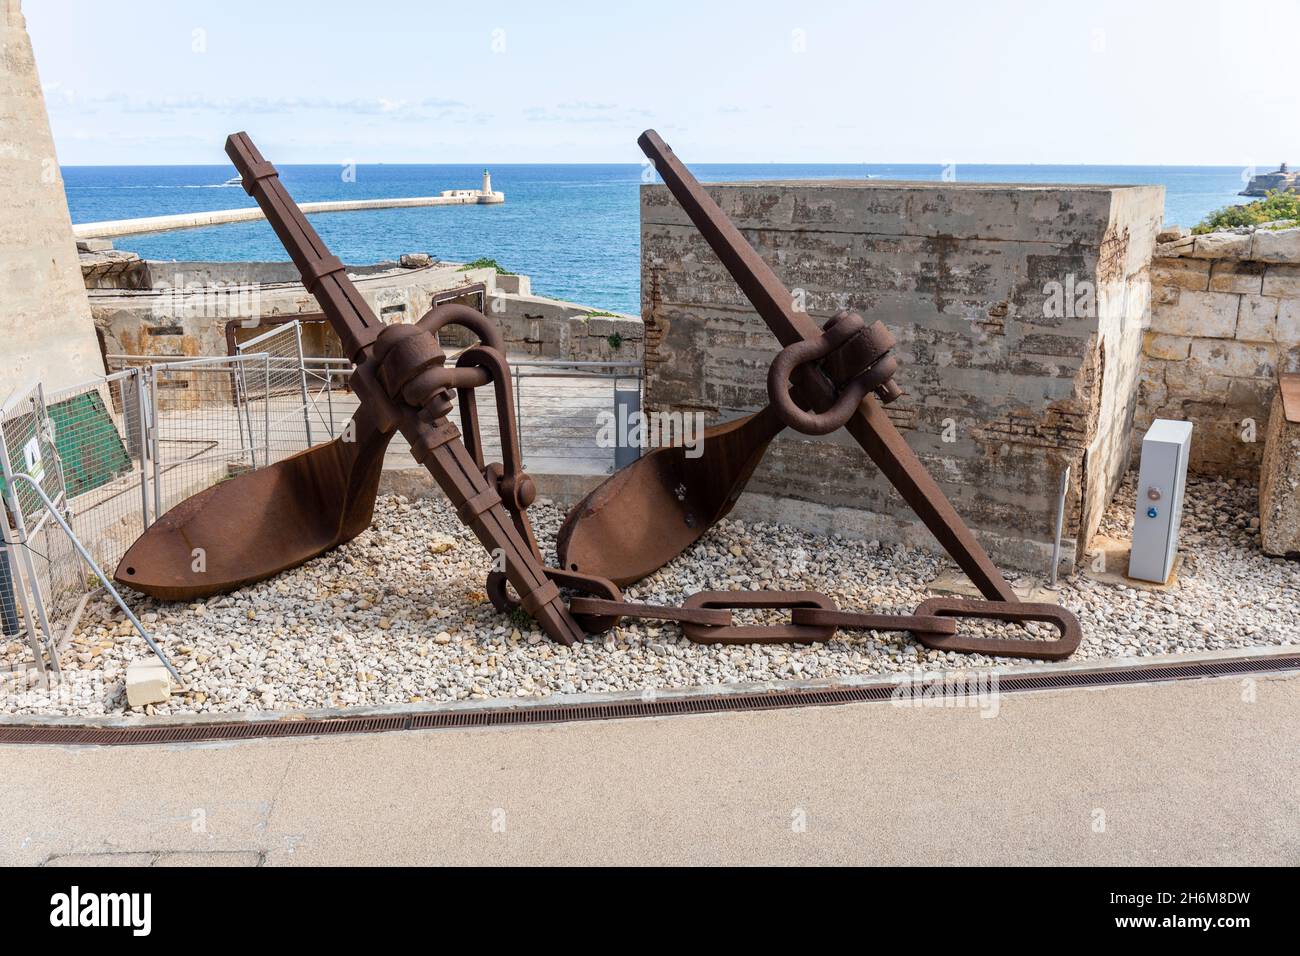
(188,361)
(575,363)
(342,361)
(109,379)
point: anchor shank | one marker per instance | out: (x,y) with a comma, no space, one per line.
(434,441)
(870,426)
(348,314)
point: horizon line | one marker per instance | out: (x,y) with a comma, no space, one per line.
(770,162)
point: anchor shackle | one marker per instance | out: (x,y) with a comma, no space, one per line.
(853,355)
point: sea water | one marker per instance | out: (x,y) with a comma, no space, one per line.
(572,228)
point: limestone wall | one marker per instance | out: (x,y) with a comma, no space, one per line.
(1018,311)
(45,328)
(1225,319)
(186,312)
(541,327)
(184,308)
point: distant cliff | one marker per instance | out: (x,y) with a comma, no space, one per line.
(1280,179)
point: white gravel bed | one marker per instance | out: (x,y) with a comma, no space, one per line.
(399,615)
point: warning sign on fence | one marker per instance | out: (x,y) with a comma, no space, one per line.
(32,459)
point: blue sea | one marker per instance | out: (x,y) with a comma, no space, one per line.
(573,228)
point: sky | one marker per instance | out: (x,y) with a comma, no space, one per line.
(1196,82)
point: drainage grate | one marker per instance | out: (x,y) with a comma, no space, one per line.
(615,710)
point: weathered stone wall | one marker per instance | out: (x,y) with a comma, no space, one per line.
(45,322)
(1279,480)
(189,305)
(183,308)
(1225,319)
(1018,312)
(552,328)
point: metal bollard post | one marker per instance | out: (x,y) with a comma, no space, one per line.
(143,446)
(1060,523)
(302,383)
(627,402)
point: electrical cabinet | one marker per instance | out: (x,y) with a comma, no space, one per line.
(1162,478)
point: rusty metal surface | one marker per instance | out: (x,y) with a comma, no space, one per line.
(277,518)
(838,376)
(614,525)
(759,633)
(873,370)
(1014,611)
(648,513)
(706,619)
(719,617)
(859,621)
(262,522)
(265,521)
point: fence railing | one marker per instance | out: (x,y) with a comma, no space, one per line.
(115,453)
(58,453)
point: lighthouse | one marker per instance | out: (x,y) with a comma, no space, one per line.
(486,195)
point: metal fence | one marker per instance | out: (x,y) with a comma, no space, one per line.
(27,447)
(558,409)
(77,456)
(115,453)
(282,382)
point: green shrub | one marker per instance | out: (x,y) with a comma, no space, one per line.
(486,264)
(1275,206)
(615,341)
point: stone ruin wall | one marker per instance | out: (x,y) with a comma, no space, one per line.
(138,311)
(1225,319)
(1004,389)
(535,326)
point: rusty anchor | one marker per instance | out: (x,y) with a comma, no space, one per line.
(266,521)
(837,376)
(262,522)
(323,496)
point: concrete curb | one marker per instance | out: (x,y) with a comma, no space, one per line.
(714,690)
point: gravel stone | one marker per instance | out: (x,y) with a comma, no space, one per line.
(399,615)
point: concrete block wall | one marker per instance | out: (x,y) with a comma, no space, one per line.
(551,328)
(1018,311)
(541,327)
(1225,319)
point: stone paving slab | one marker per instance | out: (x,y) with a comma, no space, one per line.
(1190,773)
